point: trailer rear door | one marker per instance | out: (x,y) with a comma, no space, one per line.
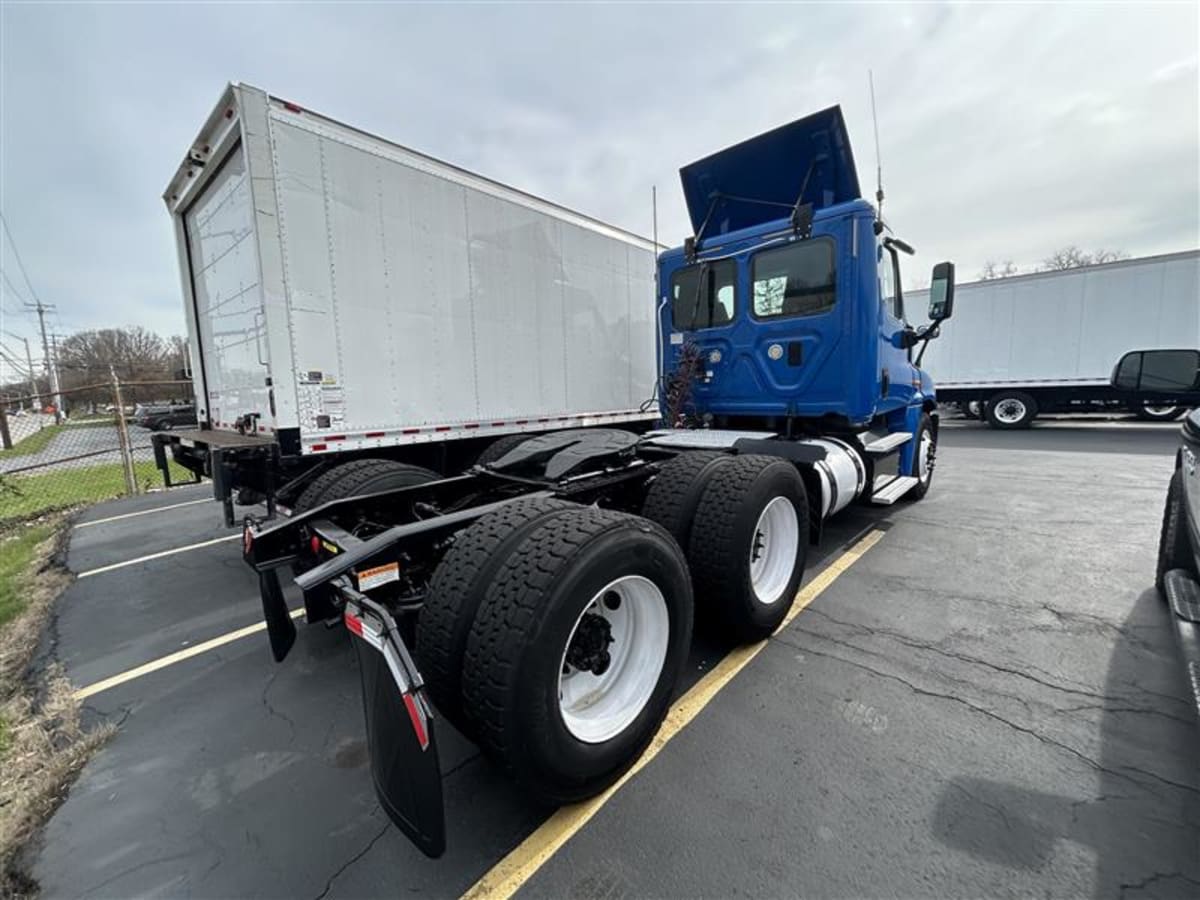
(226,285)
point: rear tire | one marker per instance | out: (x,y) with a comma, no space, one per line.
(675,492)
(500,447)
(360,476)
(1174,543)
(969,409)
(1011,409)
(1149,412)
(529,634)
(456,591)
(748,545)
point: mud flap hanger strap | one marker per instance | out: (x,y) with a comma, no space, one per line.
(374,624)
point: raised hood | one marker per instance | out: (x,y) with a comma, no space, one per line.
(760,180)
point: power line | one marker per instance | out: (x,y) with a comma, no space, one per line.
(17,366)
(17,255)
(11,287)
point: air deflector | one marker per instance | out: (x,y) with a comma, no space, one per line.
(760,179)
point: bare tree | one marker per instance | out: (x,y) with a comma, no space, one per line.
(992,270)
(1071,257)
(135,354)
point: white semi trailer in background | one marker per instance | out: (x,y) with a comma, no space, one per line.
(1052,341)
(348,298)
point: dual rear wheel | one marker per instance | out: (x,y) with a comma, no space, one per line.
(554,634)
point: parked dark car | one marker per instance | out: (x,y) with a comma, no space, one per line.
(1178,575)
(164,418)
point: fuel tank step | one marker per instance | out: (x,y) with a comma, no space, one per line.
(1184,595)
(887,443)
(890,488)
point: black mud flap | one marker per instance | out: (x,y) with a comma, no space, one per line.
(400,728)
(280,627)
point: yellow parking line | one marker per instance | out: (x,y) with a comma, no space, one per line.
(169,660)
(507,876)
(149,556)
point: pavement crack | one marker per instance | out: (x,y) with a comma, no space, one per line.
(1153,879)
(272,711)
(1122,773)
(157,861)
(1079,689)
(357,856)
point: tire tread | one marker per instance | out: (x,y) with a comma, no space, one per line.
(455,593)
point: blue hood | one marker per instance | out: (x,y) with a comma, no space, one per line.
(772,167)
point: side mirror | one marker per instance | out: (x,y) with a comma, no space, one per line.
(941,292)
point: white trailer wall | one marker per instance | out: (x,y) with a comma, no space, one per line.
(1066,327)
(385,297)
(421,301)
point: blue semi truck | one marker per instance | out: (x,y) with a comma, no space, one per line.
(542,600)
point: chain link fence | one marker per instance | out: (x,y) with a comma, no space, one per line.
(86,444)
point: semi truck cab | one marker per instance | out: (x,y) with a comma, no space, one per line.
(784,311)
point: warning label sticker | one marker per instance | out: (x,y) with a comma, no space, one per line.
(369,579)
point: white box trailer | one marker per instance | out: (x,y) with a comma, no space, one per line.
(344,293)
(1055,338)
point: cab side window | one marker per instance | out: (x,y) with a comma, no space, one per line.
(889,294)
(794,280)
(702,295)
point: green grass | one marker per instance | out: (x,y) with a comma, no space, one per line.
(15,555)
(33,443)
(27,496)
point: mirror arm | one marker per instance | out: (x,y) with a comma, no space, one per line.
(930,333)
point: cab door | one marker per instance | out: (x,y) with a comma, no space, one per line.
(895,365)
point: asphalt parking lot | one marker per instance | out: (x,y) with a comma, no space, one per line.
(986,702)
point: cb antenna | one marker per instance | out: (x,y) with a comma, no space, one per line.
(878,159)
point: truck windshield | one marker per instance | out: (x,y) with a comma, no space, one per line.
(796,280)
(706,302)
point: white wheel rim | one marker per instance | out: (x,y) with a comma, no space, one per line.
(773,550)
(974,407)
(923,454)
(1010,410)
(1159,410)
(597,708)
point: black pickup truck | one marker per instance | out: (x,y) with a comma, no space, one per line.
(1178,575)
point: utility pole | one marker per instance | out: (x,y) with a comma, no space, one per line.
(33,397)
(51,368)
(59,413)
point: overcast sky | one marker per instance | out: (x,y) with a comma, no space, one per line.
(1007,130)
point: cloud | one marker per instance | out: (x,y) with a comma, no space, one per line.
(1006,130)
